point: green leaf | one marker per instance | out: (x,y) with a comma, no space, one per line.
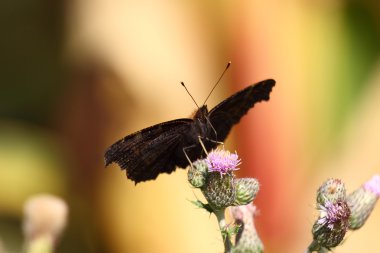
(202,205)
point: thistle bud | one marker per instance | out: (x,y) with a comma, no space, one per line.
(332,190)
(246,190)
(45,217)
(247,239)
(362,201)
(197,173)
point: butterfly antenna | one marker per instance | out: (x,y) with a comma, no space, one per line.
(217,82)
(183,84)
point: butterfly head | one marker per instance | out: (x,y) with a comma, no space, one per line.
(201,113)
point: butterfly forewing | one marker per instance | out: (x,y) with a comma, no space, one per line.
(148,152)
(229,112)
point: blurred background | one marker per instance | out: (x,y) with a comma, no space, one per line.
(78,75)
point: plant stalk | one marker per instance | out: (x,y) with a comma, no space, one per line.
(222,226)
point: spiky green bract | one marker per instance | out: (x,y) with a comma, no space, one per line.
(332,190)
(246,190)
(247,239)
(362,201)
(197,173)
(219,190)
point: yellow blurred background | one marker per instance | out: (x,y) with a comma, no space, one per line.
(78,75)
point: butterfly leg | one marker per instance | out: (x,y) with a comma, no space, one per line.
(201,142)
(207,139)
(187,157)
(216,134)
(203,146)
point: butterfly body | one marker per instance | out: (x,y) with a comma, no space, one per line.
(162,147)
(199,129)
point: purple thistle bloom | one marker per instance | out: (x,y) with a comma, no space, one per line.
(331,226)
(373,185)
(333,214)
(222,161)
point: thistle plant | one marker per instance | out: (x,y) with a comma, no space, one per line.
(340,213)
(214,176)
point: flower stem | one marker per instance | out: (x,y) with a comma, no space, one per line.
(315,247)
(222,226)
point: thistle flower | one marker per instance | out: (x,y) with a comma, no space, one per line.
(222,161)
(219,188)
(331,226)
(362,201)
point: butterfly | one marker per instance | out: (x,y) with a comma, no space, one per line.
(163,147)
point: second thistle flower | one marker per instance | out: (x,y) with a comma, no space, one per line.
(331,226)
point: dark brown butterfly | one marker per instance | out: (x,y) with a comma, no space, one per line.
(160,148)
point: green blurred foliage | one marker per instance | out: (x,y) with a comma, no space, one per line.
(360,51)
(31,58)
